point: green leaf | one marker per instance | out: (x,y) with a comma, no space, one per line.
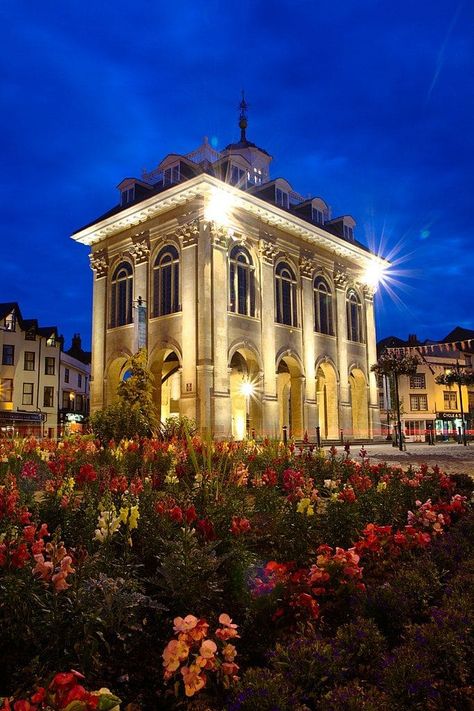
(108,702)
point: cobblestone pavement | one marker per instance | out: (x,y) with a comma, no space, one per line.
(451,457)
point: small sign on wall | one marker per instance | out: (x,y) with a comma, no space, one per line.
(189,387)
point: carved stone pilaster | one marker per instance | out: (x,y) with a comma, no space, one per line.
(219,235)
(341,278)
(268,251)
(99,263)
(369,292)
(188,233)
(140,250)
(307,267)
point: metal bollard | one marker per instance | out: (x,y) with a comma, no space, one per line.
(342,436)
(318,437)
(285,435)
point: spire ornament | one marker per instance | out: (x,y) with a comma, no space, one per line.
(243,106)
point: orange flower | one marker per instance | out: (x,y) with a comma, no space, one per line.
(175,652)
(194,681)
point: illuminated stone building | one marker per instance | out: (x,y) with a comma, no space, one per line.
(255,304)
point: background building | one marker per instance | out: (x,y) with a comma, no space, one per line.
(426,404)
(255,304)
(29,374)
(74,388)
(43,391)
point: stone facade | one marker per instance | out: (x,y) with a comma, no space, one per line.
(242,303)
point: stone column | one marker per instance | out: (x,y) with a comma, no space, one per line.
(140,252)
(309,356)
(374,412)
(268,252)
(99,265)
(222,406)
(204,328)
(188,235)
(345,414)
(297,399)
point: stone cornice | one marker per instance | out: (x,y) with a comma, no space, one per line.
(204,186)
(99,263)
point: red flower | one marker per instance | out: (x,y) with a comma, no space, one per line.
(206,529)
(176,514)
(191,514)
(239,525)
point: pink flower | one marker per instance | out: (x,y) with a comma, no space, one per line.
(186,624)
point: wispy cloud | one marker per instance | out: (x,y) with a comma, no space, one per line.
(441,54)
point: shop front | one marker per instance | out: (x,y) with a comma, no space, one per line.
(21,424)
(448,425)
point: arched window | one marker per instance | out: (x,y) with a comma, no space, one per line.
(241,282)
(354,317)
(285,293)
(166,282)
(323,321)
(121,295)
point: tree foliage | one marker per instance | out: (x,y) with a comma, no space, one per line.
(456,377)
(134,413)
(396,364)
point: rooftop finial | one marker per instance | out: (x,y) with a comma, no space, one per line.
(243,118)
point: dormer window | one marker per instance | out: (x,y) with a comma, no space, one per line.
(171,175)
(10,322)
(317,216)
(128,195)
(348,232)
(255,176)
(281,198)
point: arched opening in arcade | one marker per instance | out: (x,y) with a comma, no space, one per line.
(245,394)
(327,400)
(290,392)
(359,404)
(115,374)
(166,372)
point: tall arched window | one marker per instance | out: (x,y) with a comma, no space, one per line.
(166,282)
(285,293)
(241,282)
(323,321)
(354,317)
(121,295)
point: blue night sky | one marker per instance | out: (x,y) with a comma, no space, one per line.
(368,104)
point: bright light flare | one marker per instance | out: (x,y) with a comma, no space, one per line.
(247,388)
(218,207)
(375,273)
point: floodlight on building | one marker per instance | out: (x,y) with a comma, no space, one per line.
(218,206)
(375,273)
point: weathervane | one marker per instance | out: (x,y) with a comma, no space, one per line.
(243,106)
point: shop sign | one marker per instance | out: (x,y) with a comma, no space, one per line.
(22,417)
(73,417)
(448,415)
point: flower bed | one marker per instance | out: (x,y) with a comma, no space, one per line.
(232,575)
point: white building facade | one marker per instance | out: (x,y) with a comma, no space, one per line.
(256,307)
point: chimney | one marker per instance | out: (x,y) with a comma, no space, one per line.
(76,342)
(412,339)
